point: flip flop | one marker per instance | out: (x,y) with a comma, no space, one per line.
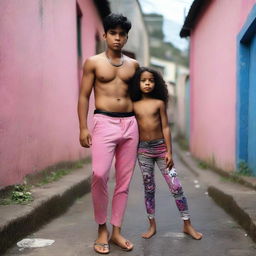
(127,242)
(103,246)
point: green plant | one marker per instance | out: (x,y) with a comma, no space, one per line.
(244,169)
(54,176)
(231,178)
(19,195)
(59,173)
(203,165)
(79,164)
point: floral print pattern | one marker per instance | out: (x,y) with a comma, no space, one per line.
(149,153)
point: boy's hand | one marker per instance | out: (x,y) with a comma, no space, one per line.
(85,138)
(168,160)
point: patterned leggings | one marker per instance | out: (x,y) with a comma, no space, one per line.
(150,152)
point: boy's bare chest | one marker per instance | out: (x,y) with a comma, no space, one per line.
(107,73)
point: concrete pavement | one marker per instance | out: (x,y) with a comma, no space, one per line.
(17,221)
(236,199)
(50,200)
(75,231)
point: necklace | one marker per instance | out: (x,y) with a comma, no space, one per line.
(113,64)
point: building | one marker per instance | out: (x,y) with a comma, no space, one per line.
(137,45)
(222,79)
(43,46)
(155,23)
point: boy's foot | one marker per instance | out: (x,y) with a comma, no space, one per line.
(121,242)
(101,248)
(101,244)
(189,230)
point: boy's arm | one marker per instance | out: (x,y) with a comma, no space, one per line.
(83,102)
(167,134)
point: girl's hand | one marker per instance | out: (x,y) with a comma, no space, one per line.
(168,160)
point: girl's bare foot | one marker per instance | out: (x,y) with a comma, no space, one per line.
(151,231)
(189,230)
(101,244)
(119,240)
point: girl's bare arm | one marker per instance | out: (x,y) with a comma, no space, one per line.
(166,133)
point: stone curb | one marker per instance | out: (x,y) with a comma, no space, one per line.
(229,202)
(50,201)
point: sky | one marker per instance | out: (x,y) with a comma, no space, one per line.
(174,12)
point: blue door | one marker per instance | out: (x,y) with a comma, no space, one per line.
(252,107)
(246,93)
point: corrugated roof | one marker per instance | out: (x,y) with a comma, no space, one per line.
(191,18)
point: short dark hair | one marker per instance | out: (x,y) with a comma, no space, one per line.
(114,20)
(160,90)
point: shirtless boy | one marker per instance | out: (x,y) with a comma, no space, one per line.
(114,131)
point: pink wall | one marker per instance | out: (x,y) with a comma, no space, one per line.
(89,36)
(213,81)
(39,83)
(180,118)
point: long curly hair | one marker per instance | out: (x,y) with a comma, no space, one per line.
(160,91)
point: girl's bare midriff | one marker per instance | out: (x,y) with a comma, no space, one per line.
(148,117)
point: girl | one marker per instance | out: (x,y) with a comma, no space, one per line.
(150,96)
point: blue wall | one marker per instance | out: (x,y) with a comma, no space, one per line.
(246,79)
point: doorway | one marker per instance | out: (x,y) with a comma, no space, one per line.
(246,93)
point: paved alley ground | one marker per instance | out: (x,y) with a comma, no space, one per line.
(75,231)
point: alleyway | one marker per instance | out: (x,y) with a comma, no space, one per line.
(74,232)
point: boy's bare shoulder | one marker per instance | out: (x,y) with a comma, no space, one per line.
(132,61)
(92,61)
(95,58)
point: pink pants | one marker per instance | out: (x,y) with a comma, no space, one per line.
(112,136)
